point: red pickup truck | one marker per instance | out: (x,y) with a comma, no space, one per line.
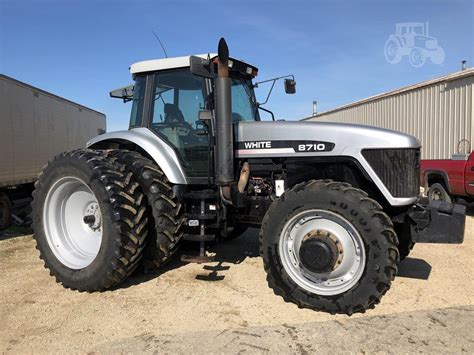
(447,180)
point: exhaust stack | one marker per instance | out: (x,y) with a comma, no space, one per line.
(224,134)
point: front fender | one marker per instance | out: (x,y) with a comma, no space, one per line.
(159,151)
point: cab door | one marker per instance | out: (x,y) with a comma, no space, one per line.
(177,98)
(469,175)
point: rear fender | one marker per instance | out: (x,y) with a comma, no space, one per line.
(156,148)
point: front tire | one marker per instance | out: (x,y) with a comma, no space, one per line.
(89,220)
(405,243)
(353,238)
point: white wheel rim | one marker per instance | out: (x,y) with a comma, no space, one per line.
(345,275)
(74,242)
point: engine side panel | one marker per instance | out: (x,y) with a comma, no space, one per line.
(322,139)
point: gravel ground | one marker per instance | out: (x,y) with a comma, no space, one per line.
(227,307)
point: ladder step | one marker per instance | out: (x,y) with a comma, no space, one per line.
(199,237)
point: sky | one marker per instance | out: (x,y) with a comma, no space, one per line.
(81,50)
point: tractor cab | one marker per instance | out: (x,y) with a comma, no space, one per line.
(177,105)
(175,99)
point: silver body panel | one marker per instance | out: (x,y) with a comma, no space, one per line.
(349,140)
(161,152)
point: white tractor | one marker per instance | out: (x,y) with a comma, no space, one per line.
(338,205)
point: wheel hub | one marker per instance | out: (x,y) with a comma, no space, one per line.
(322,252)
(93,217)
(319,252)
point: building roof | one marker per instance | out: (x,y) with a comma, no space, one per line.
(164,63)
(453,76)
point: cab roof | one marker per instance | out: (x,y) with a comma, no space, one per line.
(165,63)
(180,62)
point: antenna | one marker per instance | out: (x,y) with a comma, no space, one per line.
(161,44)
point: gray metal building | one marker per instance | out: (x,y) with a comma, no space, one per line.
(440,112)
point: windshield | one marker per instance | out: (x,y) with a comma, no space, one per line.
(244,107)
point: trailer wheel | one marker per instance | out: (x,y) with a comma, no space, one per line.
(329,247)
(5,211)
(437,192)
(89,220)
(165,212)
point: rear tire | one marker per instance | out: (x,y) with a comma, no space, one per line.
(5,211)
(165,212)
(365,236)
(89,220)
(437,192)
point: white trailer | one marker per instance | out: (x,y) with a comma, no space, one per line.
(35,125)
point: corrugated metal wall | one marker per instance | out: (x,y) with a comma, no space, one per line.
(440,114)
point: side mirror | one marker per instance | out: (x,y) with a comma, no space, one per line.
(290,86)
(201,67)
(125,93)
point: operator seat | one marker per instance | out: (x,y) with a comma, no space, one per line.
(173,114)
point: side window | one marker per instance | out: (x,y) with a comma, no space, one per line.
(138,99)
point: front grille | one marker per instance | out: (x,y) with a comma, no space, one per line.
(399,169)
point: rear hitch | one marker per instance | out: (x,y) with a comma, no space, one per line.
(437,222)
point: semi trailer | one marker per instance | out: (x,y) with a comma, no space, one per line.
(36,125)
(337,204)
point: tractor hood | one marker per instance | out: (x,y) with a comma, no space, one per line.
(297,138)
